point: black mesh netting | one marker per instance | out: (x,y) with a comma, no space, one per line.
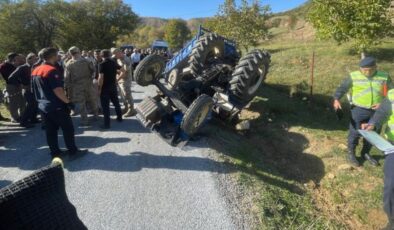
(38,201)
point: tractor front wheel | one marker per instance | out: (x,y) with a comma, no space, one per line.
(196,114)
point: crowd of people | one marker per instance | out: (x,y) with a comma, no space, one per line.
(55,85)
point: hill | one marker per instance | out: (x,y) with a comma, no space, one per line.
(193,23)
(292,24)
(284,25)
(300,11)
(152,21)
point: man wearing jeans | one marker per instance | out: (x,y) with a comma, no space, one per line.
(369,87)
(13,88)
(55,107)
(108,70)
(22,75)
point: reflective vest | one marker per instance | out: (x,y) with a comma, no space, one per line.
(390,123)
(367,92)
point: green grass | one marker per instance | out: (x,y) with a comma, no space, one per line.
(291,161)
(291,65)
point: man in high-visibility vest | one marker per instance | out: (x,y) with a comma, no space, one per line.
(368,88)
(383,114)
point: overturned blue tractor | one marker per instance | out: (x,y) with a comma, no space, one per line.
(206,79)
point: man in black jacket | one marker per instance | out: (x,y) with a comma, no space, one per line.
(48,88)
(13,88)
(22,75)
(108,70)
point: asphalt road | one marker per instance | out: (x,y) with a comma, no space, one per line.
(130,179)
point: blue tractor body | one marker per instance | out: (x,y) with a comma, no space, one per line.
(205,80)
(181,58)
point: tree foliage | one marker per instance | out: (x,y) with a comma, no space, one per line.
(246,23)
(142,37)
(29,25)
(364,22)
(96,23)
(176,33)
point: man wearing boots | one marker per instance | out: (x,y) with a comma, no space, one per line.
(368,87)
(79,82)
(124,81)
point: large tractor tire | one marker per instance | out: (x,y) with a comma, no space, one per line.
(173,79)
(149,70)
(248,76)
(207,48)
(196,114)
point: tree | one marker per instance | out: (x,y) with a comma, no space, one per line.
(176,33)
(246,24)
(364,22)
(29,25)
(142,37)
(95,23)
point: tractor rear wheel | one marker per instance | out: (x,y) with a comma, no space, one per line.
(149,70)
(248,76)
(207,49)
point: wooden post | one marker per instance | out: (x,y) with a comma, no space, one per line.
(312,74)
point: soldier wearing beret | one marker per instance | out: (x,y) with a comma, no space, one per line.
(368,87)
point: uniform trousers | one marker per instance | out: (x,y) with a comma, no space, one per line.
(359,116)
(53,121)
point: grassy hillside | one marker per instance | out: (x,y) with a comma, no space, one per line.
(293,162)
(154,22)
(300,11)
(292,166)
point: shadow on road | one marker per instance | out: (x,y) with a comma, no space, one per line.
(136,161)
(127,125)
(26,158)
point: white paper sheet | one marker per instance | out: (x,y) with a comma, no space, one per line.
(378,141)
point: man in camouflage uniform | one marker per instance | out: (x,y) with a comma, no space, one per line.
(124,81)
(79,85)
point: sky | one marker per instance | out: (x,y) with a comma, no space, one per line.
(187,9)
